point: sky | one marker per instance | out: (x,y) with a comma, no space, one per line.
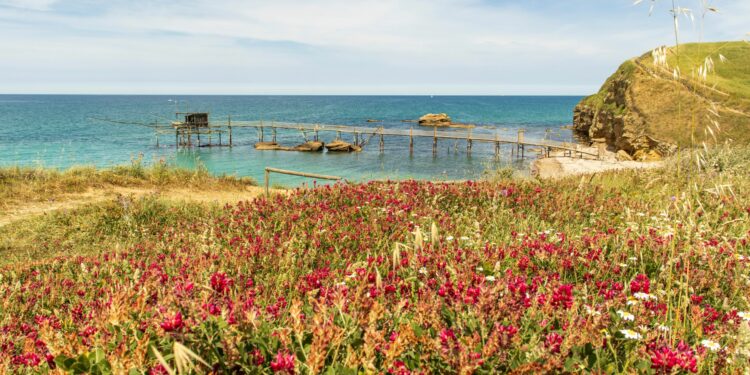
(371,47)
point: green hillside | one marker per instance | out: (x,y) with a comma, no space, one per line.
(643,106)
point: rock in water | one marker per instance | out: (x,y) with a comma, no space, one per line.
(341,146)
(431,119)
(309,146)
(264,146)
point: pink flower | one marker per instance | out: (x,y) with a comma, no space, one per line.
(173,323)
(641,283)
(221,283)
(284,362)
(665,359)
(563,296)
(553,342)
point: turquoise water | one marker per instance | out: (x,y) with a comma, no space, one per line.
(62,130)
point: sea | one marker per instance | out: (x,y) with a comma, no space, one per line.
(61,131)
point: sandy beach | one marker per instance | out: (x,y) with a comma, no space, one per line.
(559,166)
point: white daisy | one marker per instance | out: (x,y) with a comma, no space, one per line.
(423,270)
(711,345)
(745,315)
(591,311)
(631,335)
(449,238)
(626,316)
(490,278)
(662,327)
(644,296)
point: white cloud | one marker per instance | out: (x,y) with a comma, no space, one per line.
(29,4)
(322,46)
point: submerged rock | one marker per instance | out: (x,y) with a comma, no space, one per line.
(341,146)
(310,146)
(263,146)
(432,119)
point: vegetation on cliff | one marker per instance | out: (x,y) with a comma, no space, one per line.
(649,109)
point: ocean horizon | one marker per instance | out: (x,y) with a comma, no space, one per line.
(65,130)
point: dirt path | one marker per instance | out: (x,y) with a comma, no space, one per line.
(72,201)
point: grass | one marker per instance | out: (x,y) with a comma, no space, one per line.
(394,277)
(22,185)
(112,225)
(652,102)
(731,77)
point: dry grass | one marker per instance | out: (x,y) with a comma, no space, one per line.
(20,186)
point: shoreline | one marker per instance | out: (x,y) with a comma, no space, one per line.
(558,166)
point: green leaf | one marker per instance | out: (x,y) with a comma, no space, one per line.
(64,362)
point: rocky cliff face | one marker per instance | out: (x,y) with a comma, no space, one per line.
(613,117)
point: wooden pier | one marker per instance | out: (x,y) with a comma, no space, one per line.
(189,132)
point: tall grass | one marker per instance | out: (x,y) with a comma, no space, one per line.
(19,184)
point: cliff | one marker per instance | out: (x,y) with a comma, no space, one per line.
(645,111)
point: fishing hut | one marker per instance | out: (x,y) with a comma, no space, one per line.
(196,124)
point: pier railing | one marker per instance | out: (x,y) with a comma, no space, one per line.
(269,170)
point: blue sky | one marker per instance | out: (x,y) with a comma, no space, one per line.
(493,47)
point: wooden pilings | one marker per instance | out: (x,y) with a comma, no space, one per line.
(434,142)
(229,122)
(411,141)
(184,137)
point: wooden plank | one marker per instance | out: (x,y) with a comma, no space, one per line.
(269,170)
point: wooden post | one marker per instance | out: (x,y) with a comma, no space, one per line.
(356,138)
(199,138)
(274,135)
(382,142)
(157,140)
(229,121)
(176,138)
(411,141)
(266,178)
(261,132)
(434,141)
(316,133)
(220,140)
(468,143)
(523,148)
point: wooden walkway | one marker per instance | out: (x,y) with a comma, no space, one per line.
(363,135)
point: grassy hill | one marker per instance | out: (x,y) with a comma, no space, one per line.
(644,106)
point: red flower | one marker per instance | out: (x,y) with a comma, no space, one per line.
(563,296)
(664,359)
(553,342)
(173,324)
(641,283)
(221,283)
(284,362)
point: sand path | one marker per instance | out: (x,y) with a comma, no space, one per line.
(72,201)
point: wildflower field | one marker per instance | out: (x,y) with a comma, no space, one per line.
(630,272)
